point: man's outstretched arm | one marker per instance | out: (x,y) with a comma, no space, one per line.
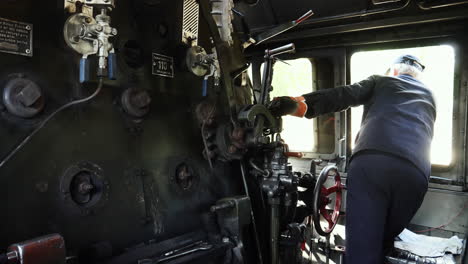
(324,101)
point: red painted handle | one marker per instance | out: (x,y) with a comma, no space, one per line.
(295,154)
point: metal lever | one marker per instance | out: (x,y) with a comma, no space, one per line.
(262,37)
(304,17)
(294,154)
(289,48)
(268,69)
(48,249)
(176,254)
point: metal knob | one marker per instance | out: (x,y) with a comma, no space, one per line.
(23,97)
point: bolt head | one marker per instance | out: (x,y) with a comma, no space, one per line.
(85,188)
(29,95)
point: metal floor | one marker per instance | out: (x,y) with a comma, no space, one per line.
(336,240)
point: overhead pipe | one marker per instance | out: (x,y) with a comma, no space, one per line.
(375,12)
(350,15)
(378,24)
(424,7)
(357,14)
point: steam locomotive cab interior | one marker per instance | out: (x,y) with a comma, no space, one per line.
(139,131)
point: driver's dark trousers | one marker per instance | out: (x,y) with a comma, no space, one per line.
(384,193)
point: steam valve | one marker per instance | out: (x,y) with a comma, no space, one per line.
(91,36)
(202,64)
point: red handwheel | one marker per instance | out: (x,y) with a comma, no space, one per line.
(322,200)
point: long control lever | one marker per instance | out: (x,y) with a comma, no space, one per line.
(258,114)
(264,36)
(270,58)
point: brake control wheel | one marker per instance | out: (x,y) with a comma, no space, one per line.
(322,198)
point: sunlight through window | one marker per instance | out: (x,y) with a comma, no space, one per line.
(438,76)
(294,78)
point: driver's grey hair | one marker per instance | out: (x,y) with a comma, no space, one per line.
(403,68)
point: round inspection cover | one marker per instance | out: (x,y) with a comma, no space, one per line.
(184,175)
(84,185)
(23,97)
(136,102)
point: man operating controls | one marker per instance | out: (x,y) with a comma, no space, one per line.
(390,165)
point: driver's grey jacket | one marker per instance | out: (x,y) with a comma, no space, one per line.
(399,115)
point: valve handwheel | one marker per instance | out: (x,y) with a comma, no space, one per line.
(322,200)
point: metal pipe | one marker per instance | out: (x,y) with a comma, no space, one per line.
(465,127)
(265,173)
(266,82)
(47,119)
(274,230)
(381,24)
(356,14)
(268,69)
(353,15)
(424,7)
(254,224)
(289,48)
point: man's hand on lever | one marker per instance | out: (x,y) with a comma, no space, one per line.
(285,105)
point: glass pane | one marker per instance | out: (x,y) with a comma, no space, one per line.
(294,78)
(438,76)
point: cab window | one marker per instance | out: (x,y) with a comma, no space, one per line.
(294,78)
(438,76)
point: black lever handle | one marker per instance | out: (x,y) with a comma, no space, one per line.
(112,66)
(84,70)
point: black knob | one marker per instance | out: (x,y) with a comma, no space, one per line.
(23,97)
